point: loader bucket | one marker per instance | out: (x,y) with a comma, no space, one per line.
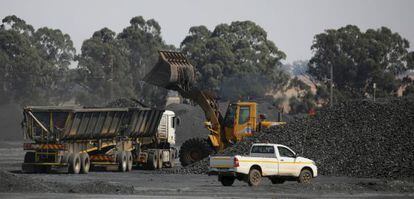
(172,71)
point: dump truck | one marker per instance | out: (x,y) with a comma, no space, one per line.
(79,138)
(174,71)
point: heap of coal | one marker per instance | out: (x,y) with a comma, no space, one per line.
(355,138)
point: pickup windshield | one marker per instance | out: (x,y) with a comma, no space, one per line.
(263,149)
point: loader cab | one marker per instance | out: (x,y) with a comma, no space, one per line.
(240,120)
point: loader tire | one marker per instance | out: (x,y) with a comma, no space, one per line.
(74,163)
(194,150)
(276,180)
(121,160)
(130,161)
(85,163)
(227,180)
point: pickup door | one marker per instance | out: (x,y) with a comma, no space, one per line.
(287,166)
(269,159)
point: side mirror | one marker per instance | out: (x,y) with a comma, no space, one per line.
(262,116)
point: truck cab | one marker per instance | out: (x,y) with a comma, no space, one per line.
(274,161)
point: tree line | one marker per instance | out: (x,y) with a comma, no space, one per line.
(235,60)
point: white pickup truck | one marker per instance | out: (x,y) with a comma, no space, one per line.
(274,161)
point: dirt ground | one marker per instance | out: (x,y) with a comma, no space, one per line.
(148,184)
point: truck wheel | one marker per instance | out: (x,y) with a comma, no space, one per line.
(129,160)
(194,150)
(152,161)
(29,157)
(254,178)
(305,176)
(74,163)
(122,161)
(85,163)
(227,180)
(276,180)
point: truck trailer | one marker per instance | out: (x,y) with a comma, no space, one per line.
(79,138)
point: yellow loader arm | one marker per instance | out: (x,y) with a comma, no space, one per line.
(173,71)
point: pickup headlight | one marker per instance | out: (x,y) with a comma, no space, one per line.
(313,162)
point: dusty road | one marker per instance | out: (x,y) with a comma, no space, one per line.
(147,184)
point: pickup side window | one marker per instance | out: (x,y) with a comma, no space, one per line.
(263,149)
(284,152)
(244,114)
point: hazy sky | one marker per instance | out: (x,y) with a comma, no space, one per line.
(290,24)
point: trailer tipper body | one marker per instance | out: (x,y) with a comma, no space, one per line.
(81,138)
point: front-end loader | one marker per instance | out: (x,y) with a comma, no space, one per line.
(173,71)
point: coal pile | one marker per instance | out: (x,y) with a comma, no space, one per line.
(356,138)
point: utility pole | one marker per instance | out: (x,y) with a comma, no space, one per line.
(331,96)
(375,89)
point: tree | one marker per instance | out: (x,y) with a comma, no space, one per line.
(104,69)
(143,40)
(231,53)
(29,73)
(360,59)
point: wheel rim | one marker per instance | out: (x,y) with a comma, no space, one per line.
(255,177)
(124,164)
(77,165)
(195,155)
(306,177)
(87,164)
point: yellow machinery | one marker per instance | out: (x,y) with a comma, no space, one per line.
(174,71)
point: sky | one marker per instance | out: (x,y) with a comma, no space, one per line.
(291,24)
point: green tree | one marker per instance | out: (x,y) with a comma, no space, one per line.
(104,69)
(143,40)
(239,51)
(29,73)
(360,59)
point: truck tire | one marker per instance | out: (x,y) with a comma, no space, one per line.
(85,163)
(254,178)
(152,161)
(74,163)
(122,162)
(305,176)
(194,150)
(130,161)
(227,180)
(276,180)
(29,157)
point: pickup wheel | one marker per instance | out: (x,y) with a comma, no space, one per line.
(254,178)
(305,176)
(276,180)
(227,180)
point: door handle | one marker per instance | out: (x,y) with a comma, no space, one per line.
(282,160)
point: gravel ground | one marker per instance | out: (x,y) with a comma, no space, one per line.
(153,184)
